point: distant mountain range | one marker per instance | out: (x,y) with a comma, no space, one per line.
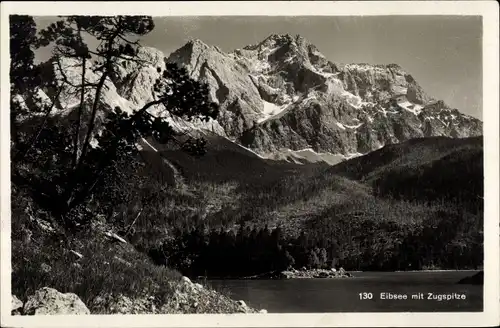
(283,100)
(283,94)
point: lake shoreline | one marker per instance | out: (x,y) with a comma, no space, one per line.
(338,295)
(318,274)
(289,274)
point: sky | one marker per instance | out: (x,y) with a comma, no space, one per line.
(442,53)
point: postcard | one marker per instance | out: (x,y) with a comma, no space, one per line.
(250,164)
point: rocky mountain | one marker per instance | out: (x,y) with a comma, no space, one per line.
(282,99)
(282,95)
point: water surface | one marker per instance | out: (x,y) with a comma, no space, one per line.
(343,295)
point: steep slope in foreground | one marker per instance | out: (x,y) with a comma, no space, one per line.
(101,267)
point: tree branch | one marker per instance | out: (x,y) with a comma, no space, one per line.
(136,60)
(65,77)
(34,138)
(128,41)
(146,107)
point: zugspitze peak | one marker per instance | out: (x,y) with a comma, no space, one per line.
(282,96)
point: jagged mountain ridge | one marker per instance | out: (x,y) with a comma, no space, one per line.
(283,94)
(282,99)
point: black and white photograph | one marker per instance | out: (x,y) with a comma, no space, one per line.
(256,165)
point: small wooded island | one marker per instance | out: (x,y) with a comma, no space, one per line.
(303,273)
(314,273)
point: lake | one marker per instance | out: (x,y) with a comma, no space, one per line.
(343,295)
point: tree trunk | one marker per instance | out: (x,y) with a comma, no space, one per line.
(76,142)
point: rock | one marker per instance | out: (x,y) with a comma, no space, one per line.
(229,85)
(243,307)
(120,304)
(76,254)
(314,273)
(115,237)
(16,305)
(26,235)
(263,311)
(49,301)
(45,267)
(199,286)
(322,275)
(119,259)
(186,280)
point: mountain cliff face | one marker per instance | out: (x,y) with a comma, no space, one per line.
(283,95)
(283,99)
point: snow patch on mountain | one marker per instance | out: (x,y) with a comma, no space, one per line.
(364,68)
(355,101)
(354,127)
(412,108)
(270,110)
(341,109)
(306,155)
(353,155)
(247,149)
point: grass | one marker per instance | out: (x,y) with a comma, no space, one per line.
(99,273)
(107,272)
(45,261)
(99,276)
